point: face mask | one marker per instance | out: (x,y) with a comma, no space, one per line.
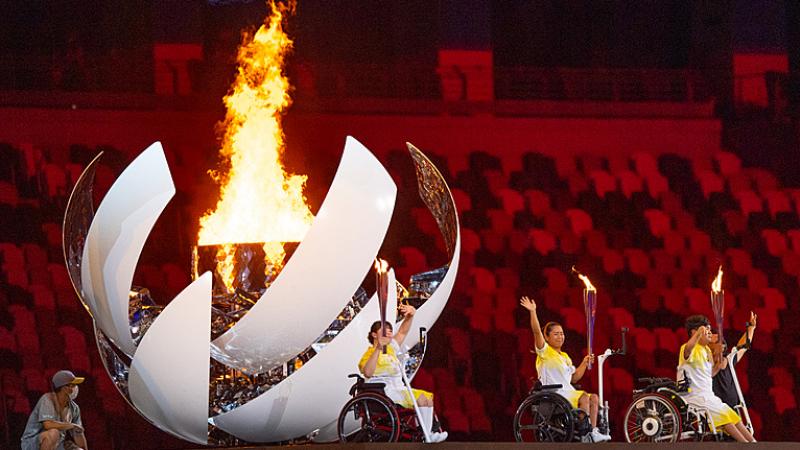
(74,394)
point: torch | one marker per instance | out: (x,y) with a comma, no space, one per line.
(718,301)
(589,307)
(382,288)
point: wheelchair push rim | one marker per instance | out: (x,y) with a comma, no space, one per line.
(369,417)
(652,418)
(544,418)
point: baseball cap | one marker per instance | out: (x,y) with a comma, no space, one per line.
(65,377)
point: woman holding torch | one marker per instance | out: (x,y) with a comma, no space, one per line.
(380,364)
(555,367)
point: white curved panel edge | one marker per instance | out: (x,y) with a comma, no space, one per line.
(116,237)
(429,312)
(168,378)
(299,305)
(312,397)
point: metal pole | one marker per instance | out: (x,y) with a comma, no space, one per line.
(425,432)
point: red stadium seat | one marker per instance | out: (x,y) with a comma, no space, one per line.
(577,183)
(674,243)
(555,222)
(778,202)
(658,221)
(699,242)
(538,202)
(646,164)
(630,183)
(603,182)
(519,241)
(783,399)
(791,263)
(596,243)
(763,180)
(621,317)
(739,260)
(483,280)
(8,194)
(512,201)
(556,279)
(613,261)
(728,163)
(543,241)
(470,242)
(749,202)
(565,165)
(656,185)
(462,199)
(773,298)
(574,319)
(637,259)
(501,221)
(757,280)
(569,243)
(579,221)
(735,222)
(775,242)
(710,183)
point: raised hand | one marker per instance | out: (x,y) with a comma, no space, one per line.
(753,319)
(527,303)
(588,359)
(407,310)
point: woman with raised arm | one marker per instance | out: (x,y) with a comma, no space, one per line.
(555,367)
(380,364)
(696,362)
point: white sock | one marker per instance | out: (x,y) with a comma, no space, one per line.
(426,412)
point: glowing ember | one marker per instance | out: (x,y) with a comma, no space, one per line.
(259,201)
(716,285)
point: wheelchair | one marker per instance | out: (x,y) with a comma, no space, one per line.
(371,416)
(546,416)
(658,413)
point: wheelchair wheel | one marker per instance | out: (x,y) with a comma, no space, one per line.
(544,418)
(652,418)
(369,417)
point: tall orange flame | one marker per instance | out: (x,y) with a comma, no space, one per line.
(716,285)
(259,201)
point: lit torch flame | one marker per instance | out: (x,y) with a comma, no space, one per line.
(585,279)
(259,201)
(716,285)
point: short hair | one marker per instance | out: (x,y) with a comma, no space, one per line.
(375,328)
(695,322)
(548,327)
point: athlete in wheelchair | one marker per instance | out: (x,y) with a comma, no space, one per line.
(387,409)
(554,410)
(668,411)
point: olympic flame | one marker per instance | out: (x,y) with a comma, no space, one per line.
(718,302)
(259,201)
(588,284)
(716,285)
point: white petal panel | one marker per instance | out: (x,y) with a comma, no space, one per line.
(311,397)
(322,274)
(168,378)
(116,237)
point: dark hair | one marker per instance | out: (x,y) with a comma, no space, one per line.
(375,328)
(695,322)
(548,327)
